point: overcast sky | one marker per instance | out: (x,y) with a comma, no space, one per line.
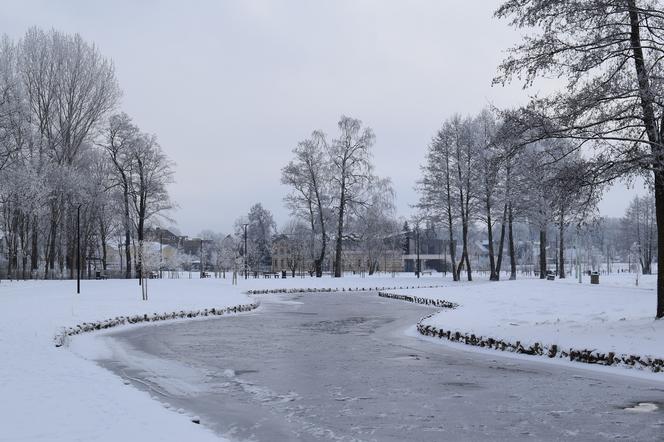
(230,87)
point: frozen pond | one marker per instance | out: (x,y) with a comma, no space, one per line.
(340,367)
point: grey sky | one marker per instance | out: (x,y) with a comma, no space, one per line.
(230,87)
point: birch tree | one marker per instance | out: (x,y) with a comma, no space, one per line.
(351,173)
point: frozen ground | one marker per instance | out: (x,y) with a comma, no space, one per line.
(612,316)
(52,394)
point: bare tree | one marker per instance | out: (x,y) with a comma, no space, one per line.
(464,183)
(375,223)
(70,87)
(572,202)
(610,52)
(639,221)
(350,157)
(308,176)
(151,171)
(295,236)
(487,172)
(118,140)
(260,229)
(435,187)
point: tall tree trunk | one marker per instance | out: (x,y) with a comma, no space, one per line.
(654,136)
(561,248)
(465,249)
(455,271)
(50,257)
(448,188)
(659,208)
(34,255)
(542,256)
(340,230)
(321,257)
(338,250)
(510,220)
(492,258)
(127,227)
(139,234)
(501,243)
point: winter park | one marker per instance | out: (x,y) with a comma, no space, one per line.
(346,220)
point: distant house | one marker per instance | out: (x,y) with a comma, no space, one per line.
(163,236)
(433,251)
(286,256)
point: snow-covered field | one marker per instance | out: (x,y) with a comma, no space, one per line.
(615,315)
(53,394)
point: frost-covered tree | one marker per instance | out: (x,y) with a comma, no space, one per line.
(150,173)
(117,139)
(295,239)
(308,176)
(260,230)
(610,53)
(351,173)
(375,223)
(640,226)
(464,154)
(70,87)
(437,200)
(61,155)
(488,178)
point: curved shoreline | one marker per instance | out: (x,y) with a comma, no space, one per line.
(62,336)
(60,339)
(586,356)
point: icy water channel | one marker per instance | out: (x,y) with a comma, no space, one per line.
(341,367)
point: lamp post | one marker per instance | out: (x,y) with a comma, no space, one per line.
(78,249)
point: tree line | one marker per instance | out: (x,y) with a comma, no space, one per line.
(546,161)
(70,165)
(609,53)
(473,174)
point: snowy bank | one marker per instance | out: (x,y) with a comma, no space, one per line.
(610,324)
(53,394)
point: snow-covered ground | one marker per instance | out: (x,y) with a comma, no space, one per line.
(615,315)
(53,394)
